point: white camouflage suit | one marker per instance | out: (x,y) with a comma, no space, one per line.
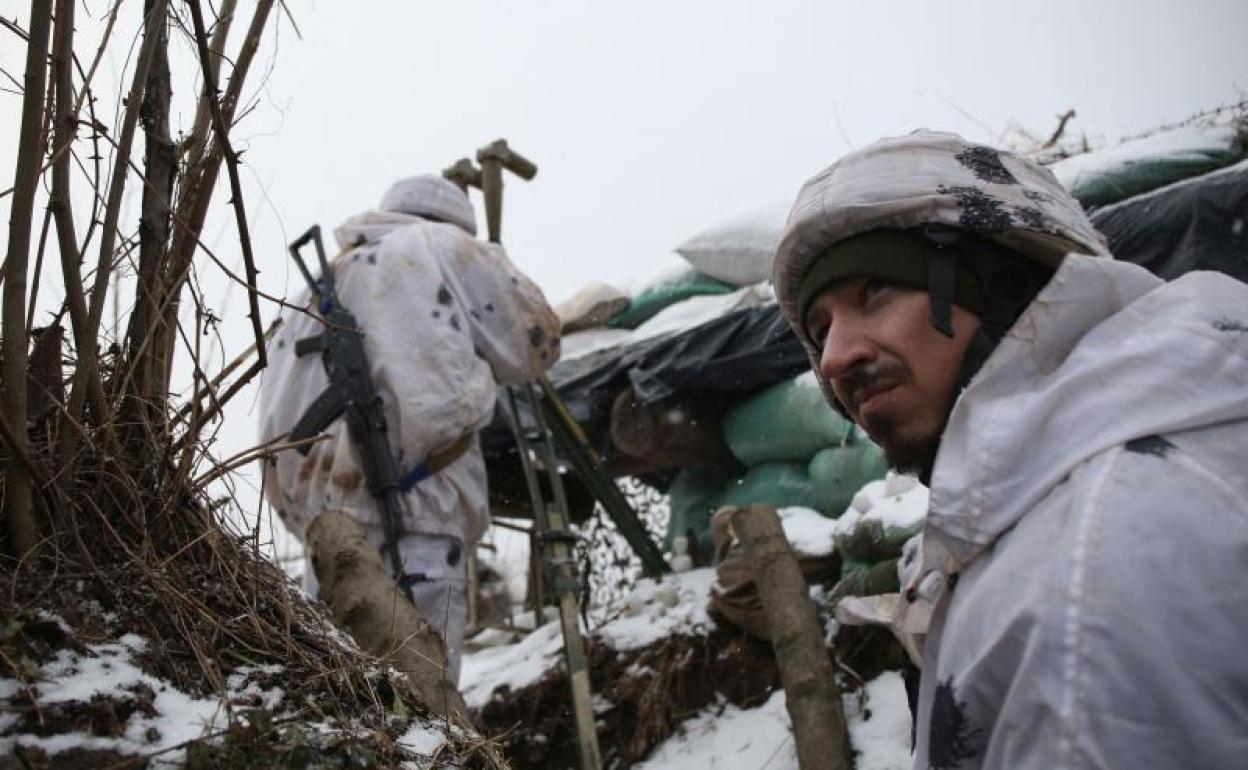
(445,316)
(1085,556)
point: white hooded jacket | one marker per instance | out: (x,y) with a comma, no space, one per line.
(444,316)
(1089,516)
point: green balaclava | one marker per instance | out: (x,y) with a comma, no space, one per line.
(988,279)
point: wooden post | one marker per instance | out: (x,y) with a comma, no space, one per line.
(811,694)
(364,598)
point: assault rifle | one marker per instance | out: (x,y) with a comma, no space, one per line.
(350,394)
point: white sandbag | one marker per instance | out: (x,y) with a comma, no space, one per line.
(698,310)
(589,341)
(590,307)
(739,248)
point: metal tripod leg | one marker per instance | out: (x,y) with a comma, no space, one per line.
(551,521)
(585,461)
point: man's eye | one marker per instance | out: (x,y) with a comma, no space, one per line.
(818,333)
(871,287)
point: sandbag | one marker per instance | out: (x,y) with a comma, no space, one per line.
(739,248)
(1139,165)
(670,285)
(788,422)
(870,542)
(672,434)
(590,307)
(782,485)
(883,515)
(693,496)
(880,578)
(837,474)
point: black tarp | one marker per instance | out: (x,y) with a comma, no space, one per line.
(727,357)
(1196,224)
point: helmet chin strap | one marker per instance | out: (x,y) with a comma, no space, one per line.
(1010,280)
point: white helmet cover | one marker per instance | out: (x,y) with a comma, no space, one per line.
(433,197)
(923,178)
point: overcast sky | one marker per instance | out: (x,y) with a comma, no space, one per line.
(648,120)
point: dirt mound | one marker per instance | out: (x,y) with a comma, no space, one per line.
(642,695)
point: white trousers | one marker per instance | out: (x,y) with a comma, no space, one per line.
(433,568)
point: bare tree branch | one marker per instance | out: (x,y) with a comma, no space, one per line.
(196,193)
(160,171)
(34,292)
(231,164)
(88,358)
(210,388)
(197,140)
(1062,120)
(65,126)
(23,522)
(99,54)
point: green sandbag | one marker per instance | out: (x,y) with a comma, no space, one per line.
(694,496)
(1140,165)
(839,472)
(666,292)
(870,542)
(880,578)
(780,484)
(787,422)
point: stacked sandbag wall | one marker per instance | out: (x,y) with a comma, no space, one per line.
(796,451)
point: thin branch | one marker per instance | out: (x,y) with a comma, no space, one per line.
(210,388)
(231,164)
(65,130)
(34,291)
(99,54)
(13,442)
(212,411)
(197,140)
(13,27)
(20,91)
(279,444)
(1062,120)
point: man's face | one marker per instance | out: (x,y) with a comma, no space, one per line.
(893,372)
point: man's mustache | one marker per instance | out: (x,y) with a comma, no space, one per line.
(863,380)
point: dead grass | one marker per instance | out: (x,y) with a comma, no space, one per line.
(133,550)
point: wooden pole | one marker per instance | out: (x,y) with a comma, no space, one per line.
(366,600)
(812,697)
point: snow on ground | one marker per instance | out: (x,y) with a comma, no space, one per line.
(731,738)
(655,609)
(109,670)
(514,666)
(896,501)
(808,531)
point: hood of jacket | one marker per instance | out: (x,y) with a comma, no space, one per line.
(1107,353)
(373,225)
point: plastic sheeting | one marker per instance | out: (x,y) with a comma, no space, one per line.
(1197,224)
(731,356)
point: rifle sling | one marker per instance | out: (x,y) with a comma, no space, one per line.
(435,462)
